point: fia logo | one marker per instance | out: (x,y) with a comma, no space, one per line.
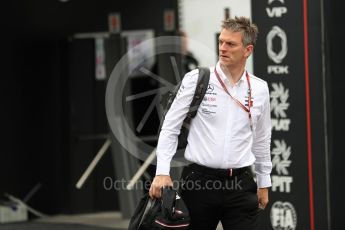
(283,216)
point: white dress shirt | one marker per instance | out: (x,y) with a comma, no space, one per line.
(220,134)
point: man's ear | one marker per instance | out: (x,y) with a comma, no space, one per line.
(249,50)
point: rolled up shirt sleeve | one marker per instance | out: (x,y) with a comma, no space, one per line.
(167,141)
(261,145)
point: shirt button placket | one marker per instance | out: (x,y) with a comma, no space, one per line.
(228,133)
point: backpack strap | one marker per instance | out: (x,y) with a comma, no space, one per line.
(200,91)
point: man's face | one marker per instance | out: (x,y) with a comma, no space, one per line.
(232,52)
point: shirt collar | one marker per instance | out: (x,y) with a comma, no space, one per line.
(225,79)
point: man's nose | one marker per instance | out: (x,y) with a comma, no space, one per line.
(222,46)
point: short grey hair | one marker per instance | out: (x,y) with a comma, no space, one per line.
(242,24)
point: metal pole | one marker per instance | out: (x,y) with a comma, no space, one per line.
(141,170)
(93,164)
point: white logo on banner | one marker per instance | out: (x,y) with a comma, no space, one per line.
(276,31)
(281,153)
(280,162)
(276,11)
(277,69)
(283,216)
(279,96)
(270,1)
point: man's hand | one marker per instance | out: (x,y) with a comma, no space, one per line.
(158,182)
(263,197)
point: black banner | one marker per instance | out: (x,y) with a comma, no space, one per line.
(298,200)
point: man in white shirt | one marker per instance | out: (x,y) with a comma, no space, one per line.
(231,132)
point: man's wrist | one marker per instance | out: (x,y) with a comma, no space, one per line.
(263,181)
(163,168)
